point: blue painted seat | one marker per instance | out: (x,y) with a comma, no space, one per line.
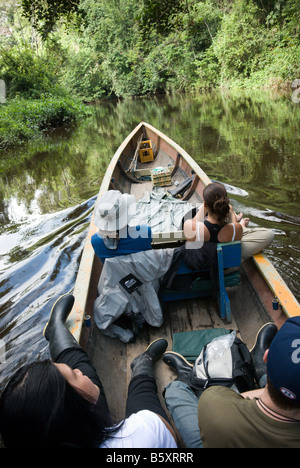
(228,256)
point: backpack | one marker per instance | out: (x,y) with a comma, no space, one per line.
(225,361)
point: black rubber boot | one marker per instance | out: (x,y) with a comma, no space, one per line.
(58,335)
(184,371)
(262,343)
(143,364)
(180,366)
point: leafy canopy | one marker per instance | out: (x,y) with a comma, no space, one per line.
(44,14)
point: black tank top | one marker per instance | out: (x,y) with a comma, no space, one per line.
(214,230)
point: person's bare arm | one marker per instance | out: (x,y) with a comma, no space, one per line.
(190,227)
(232,215)
(200,215)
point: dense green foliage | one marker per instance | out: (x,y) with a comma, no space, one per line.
(28,74)
(45,14)
(22,120)
(96,48)
(90,49)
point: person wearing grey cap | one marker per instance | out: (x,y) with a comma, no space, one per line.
(267,417)
(112,214)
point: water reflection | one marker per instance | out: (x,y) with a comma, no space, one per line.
(247,140)
(39,263)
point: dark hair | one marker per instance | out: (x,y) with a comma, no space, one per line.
(280,400)
(39,408)
(215,197)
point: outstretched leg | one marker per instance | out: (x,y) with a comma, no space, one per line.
(64,348)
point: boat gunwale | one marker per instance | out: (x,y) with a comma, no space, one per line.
(82,284)
(75,320)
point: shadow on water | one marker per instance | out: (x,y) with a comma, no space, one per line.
(246,140)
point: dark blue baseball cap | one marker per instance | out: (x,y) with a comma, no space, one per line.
(283,361)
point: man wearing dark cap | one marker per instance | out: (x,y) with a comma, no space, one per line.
(268,417)
(264,418)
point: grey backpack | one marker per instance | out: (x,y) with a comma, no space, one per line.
(225,361)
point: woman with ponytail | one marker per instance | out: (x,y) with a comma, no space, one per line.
(215,221)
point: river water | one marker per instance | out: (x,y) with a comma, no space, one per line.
(247,140)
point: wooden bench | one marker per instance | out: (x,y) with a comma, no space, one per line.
(228,256)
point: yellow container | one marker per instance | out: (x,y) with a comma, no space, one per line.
(146,151)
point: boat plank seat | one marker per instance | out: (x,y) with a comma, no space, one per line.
(228,256)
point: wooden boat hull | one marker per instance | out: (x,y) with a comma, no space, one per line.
(251,302)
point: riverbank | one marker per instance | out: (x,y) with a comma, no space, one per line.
(22,119)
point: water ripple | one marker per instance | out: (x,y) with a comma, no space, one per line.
(39,263)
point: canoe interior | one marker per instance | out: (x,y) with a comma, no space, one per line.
(111,357)
(165,155)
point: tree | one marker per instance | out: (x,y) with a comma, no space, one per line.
(240,41)
(44,14)
(158,15)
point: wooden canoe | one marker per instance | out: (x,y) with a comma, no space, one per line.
(251,301)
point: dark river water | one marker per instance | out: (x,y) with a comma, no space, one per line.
(247,140)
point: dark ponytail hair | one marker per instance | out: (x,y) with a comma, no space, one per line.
(39,408)
(215,197)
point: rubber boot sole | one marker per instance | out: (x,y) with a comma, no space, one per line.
(255,342)
(180,355)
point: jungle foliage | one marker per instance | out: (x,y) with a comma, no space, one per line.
(92,49)
(23,119)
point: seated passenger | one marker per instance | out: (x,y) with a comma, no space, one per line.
(208,227)
(112,214)
(61,403)
(268,417)
(209,224)
(216,221)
